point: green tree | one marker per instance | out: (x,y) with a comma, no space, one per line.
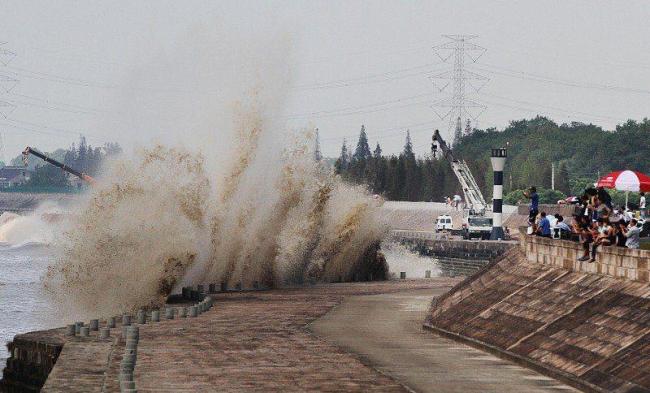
(342,164)
(48,176)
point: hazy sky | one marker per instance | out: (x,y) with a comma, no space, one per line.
(133,71)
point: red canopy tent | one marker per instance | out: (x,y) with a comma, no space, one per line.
(626,181)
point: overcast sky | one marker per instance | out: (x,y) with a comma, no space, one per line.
(136,71)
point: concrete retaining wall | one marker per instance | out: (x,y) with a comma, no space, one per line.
(32,357)
(610,261)
(576,322)
(455,257)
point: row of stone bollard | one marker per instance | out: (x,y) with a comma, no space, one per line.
(131,334)
(427,274)
(189,293)
(79,329)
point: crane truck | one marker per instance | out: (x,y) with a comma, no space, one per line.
(29,150)
(476,220)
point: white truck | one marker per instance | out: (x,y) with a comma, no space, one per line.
(444,223)
(476,220)
(477,227)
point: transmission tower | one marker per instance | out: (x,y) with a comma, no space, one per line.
(7,83)
(2,147)
(317,153)
(459,105)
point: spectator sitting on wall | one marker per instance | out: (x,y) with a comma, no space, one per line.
(533,209)
(565,230)
(633,234)
(619,230)
(544,226)
(602,234)
(582,227)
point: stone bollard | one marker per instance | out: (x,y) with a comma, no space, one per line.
(77,327)
(155,316)
(71,329)
(133,334)
(427,274)
(194,311)
(126,375)
(183,312)
(111,322)
(104,333)
(142,317)
(84,331)
(169,313)
(126,319)
(402,275)
(212,288)
(223,287)
(94,325)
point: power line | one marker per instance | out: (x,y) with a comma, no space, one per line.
(368,79)
(564,82)
(354,110)
(558,109)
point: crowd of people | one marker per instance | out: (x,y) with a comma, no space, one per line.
(596,222)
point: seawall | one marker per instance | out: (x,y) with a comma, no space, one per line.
(586,324)
(32,357)
(455,257)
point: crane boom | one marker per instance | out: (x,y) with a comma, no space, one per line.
(471,191)
(28,150)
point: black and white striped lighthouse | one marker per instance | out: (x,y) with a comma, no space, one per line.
(498,159)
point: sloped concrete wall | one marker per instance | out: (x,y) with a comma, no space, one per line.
(567,320)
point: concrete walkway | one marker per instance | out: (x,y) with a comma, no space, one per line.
(386,332)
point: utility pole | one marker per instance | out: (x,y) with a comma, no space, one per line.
(459,106)
(552,176)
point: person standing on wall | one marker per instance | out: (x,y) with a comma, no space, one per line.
(533,209)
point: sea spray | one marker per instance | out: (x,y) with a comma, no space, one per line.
(135,236)
(158,220)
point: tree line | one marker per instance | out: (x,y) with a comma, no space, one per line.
(577,153)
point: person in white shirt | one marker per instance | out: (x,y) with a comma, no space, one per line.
(642,204)
(633,234)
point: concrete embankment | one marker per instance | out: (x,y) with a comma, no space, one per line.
(249,341)
(586,324)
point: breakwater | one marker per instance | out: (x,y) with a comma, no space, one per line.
(586,324)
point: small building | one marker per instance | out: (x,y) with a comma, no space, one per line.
(13,176)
